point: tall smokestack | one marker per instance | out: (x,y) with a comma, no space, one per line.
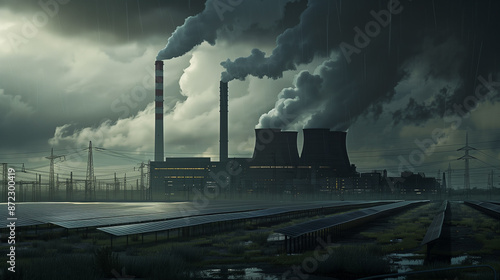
(223,148)
(159,110)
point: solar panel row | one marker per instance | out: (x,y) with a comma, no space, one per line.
(29,214)
(151,227)
(141,218)
(325,223)
(488,208)
(434,230)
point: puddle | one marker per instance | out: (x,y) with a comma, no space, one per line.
(275,237)
(407,262)
(465,260)
(234,273)
(401,263)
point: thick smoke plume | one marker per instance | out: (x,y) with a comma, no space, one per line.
(369,48)
(297,45)
(377,43)
(218,14)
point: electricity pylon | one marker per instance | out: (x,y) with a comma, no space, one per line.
(89,182)
(466,157)
(52,157)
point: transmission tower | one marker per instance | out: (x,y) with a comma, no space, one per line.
(443,183)
(143,194)
(5,182)
(466,157)
(52,157)
(89,182)
(125,186)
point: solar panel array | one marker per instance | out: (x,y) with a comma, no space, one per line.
(73,215)
(150,227)
(324,223)
(29,214)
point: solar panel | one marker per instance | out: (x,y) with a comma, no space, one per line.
(434,230)
(490,208)
(74,215)
(150,227)
(324,223)
(141,218)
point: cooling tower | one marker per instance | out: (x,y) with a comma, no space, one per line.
(223,145)
(159,111)
(315,150)
(340,159)
(326,148)
(274,147)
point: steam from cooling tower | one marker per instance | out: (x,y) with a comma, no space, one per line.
(295,103)
(325,98)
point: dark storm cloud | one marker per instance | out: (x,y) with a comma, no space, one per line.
(111,21)
(473,55)
(375,49)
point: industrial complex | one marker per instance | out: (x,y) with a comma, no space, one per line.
(276,167)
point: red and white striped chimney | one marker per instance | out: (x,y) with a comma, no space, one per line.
(159,111)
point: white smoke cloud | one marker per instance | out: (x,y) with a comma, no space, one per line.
(295,104)
(124,133)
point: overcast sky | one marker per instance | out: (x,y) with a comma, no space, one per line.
(405,78)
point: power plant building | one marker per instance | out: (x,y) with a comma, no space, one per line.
(274,168)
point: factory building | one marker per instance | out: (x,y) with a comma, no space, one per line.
(176,176)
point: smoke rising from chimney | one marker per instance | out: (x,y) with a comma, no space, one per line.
(217,15)
(297,45)
(345,90)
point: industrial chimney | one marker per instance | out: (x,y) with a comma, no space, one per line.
(159,111)
(223,147)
